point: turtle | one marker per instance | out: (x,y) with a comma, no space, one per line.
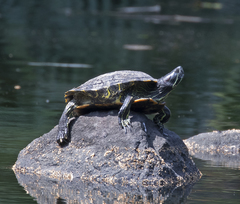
(123,90)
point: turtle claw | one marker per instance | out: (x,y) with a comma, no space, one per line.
(125,124)
(63,141)
(62,137)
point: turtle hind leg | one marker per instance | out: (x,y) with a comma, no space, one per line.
(64,123)
(162,117)
(124,111)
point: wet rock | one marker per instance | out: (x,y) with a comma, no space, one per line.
(219,147)
(100,152)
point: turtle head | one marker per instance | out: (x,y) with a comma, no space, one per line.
(168,82)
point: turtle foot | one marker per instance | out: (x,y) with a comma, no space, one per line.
(125,124)
(62,138)
(161,130)
(63,141)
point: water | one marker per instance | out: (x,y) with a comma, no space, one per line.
(97,39)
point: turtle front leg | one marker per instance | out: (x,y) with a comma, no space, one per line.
(162,117)
(64,123)
(124,111)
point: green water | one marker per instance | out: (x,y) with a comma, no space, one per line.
(96,38)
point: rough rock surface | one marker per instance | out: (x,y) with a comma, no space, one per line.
(101,152)
(220,147)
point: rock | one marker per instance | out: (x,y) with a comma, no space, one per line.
(220,147)
(100,152)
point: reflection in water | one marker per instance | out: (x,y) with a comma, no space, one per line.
(51,191)
(142,9)
(54,64)
(227,108)
(230,160)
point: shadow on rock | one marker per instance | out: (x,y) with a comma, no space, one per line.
(221,148)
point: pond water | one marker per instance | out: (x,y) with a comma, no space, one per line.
(46,48)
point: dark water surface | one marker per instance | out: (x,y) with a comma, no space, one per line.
(48,48)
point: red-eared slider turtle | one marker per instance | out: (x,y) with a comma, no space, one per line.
(124,90)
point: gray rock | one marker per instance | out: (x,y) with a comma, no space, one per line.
(100,152)
(220,147)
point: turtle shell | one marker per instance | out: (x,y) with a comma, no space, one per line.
(108,91)
(108,85)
